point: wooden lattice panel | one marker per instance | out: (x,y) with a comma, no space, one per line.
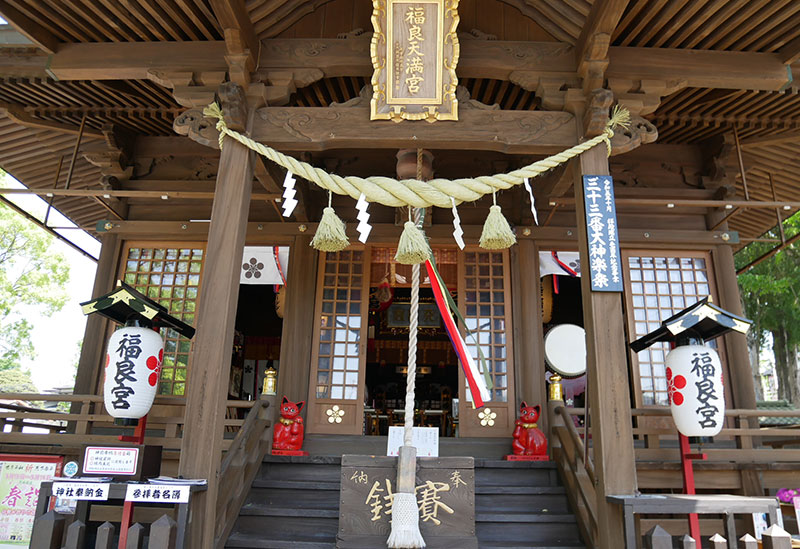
(171,276)
(485,309)
(340,326)
(660,285)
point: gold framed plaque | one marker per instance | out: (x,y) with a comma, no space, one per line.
(414,53)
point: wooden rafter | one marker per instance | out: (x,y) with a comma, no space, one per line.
(603,19)
(28,27)
(790,52)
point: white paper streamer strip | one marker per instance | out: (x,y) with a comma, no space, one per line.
(458,234)
(364,228)
(289,192)
(533,201)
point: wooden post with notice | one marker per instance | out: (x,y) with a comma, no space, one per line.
(201,448)
(608,388)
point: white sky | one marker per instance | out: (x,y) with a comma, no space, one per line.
(56,337)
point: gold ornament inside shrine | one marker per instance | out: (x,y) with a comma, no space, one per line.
(414,53)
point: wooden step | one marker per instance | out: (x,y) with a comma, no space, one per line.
(240,541)
(530,534)
(529,503)
(297,498)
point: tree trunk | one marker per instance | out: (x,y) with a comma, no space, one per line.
(755,359)
(785,365)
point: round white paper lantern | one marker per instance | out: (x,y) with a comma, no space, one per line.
(696,392)
(133,364)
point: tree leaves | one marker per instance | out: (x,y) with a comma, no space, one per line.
(33,280)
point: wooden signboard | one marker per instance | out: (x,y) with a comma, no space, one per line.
(445,495)
(414,53)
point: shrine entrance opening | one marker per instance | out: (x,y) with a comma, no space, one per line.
(259,320)
(360,346)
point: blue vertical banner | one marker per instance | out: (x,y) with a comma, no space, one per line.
(602,233)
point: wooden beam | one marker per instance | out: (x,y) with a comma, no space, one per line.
(134,61)
(790,52)
(28,27)
(477,59)
(791,137)
(594,40)
(201,447)
(131,193)
(388,233)
(602,19)
(243,45)
(608,384)
(699,68)
(301,129)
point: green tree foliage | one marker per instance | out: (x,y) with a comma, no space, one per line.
(771,295)
(15,380)
(33,278)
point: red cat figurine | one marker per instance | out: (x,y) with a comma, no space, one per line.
(288,434)
(528,438)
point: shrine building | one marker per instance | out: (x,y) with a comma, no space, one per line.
(439,112)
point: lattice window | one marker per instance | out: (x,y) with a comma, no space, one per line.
(484,305)
(170,276)
(660,285)
(340,326)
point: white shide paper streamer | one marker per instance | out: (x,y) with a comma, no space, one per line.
(458,233)
(364,228)
(533,201)
(289,192)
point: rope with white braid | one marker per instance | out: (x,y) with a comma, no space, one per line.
(411,376)
(414,192)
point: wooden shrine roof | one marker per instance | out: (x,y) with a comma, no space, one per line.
(43,114)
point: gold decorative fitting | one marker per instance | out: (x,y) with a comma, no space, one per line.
(335,414)
(270,381)
(487,417)
(556,390)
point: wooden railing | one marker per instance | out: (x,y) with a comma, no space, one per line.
(577,472)
(92,425)
(741,451)
(241,464)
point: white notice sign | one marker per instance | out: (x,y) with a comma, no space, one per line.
(425,439)
(81,490)
(110,460)
(158,493)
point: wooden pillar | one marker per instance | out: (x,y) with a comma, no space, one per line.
(742,390)
(526,309)
(201,448)
(609,388)
(295,363)
(94,337)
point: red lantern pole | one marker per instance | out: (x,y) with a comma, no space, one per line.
(688,481)
(127,506)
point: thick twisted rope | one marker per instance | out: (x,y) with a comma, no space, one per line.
(414,192)
(413,321)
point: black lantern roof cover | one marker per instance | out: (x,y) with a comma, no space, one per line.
(125,304)
(703,320)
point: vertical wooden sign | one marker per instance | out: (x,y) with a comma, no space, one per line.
(414,53)
(602,233)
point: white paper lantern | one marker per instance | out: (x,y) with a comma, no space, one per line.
(696,391)
(133,364)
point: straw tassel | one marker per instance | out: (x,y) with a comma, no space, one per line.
(497,234)
(330,235)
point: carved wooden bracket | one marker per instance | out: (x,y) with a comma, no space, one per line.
(190,89)
(280,85)
(196,127)
(111,155)
(639,133)
(643,97)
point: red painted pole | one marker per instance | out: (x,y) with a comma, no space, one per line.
(688,483)
(127,507)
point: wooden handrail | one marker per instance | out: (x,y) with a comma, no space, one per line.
(240,466)
(576,440)
(731,412)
